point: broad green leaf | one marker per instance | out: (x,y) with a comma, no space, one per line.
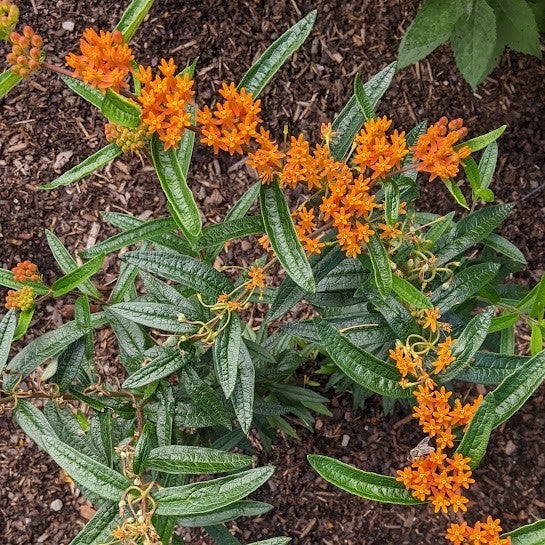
(473,41)
(363,99)
(503,246)
(132,17)
(6,279)
(98,530)
(167,362)
(68,264)
(85,91)
(409,293)
(173,180)
(203,497)
(149,229)
(228,230)
(143,448)
(361,366)
(195,460)
(487,164)
(241,508)
(380,265)
(284,240)
(475,439)
(7,329)
(480,142)
(86,167)
(8,80)
(370,486)
(189,272)
(242,397)
(276,54)
(226,352)
(531,534)
(78,276)
(391,203)
(491,368)
(430,28)
(456,192)
(120,110)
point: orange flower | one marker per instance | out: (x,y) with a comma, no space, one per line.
(304,226)
(22,299)
(26,271)
(267,159)
(26,52)
(257,278)
(105,60)
(444,355)
(483,533)
(431,317)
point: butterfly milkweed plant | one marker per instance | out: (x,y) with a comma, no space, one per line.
(413,306)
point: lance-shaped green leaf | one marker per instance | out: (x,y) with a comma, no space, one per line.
(503,246)
(406,291)
(68,264)
(468,342)
(6,279)
(231,229)
(99,159)
(143,448)
(168,362)
(361,366)
(283,237)
(396,315)
(85,91)
(513,392)
(487,164)
(242,397)
(8,80)
(226,352)
(32,422)
(221,535)
(480,142)
(531,534)
(475,439)
(23,323)
(194,460)
(7,329)
(189,272)
(456,192)
(276,54)
(362,98)
(174,183)
(99,529)
(242,508)
(380,266)
(203,497)
(392,199)
(120,110)
(132,17)
(364,484)
(272,541)
(507,319)
(76,277)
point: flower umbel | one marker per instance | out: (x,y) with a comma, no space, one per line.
(26,52)
(22,299)
(126,138)
(26,271)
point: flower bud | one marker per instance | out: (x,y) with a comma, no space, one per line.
(9,16)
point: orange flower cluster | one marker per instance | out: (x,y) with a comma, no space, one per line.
(105,60)
(435,150)
(127,139)
(378,152)
(26,52)
(483,533)
(257,278)
(164,101)
(233,124)
(26,271)
(22,299)
(304,226)
(267,159)
(9,15)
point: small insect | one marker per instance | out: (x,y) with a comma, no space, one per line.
(422,449)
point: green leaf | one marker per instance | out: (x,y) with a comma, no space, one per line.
(195,460)
(438,229)
(472,173)
(173,180)
(503,246)
(132,17)
(124,288)
(517,26)
(166,407)
(487,164)
(276,54)
(98,530)
(273,541)
(406,291)
(203,497)
(507,319)
(363,99)
(7,329)
(538,307)
(85,91)
(531,534)
(225,514)
(284,240)
(491,368)
(456,192)
(167,362)
(536,339)
(391,203)
(242,397)
(130,339)
(23,323)
(226,352)
(86,167)
(370,486)
(189,272)
(475,439)
(380,265)
(68,264)
(473,41)
(76,277)
(396,315)
(6,279)
(480,142)
(120,110)
(361,366)
(143,448)
(69,363)
(220,233)
(221,535)
(8,80)
(430,28)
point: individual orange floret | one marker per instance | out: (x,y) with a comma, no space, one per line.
(22,299)
(233,123)
(26,52)
(435,149)
(444,355)
(104,62)
(257,278)
(406,362)
(304,226)
(126,138)
(164,100)
(9,15)
(431,317)
(378,152)
(389,232)
(483,533)
(267,159)
(26,271)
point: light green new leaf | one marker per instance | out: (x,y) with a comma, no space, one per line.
(132,17)
(480,142)
(120,110)
(86,167)
(276,54)
(531,534)
(78,276)
(507,319)
(7,329)
(380,264)
(226,352)
(203,497)
(364,484)
(430,28)
(456,192)
(85,91)
(8,80)
(406,291)
(283,237)
(23,323)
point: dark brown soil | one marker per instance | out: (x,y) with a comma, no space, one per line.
(42,124)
